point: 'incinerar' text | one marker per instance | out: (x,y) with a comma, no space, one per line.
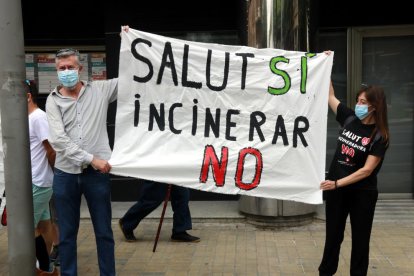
(160,115)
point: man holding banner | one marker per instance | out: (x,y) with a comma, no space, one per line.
(76,112)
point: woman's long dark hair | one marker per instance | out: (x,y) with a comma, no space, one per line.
(376,97)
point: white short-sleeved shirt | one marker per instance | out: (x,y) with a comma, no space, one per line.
(42,173)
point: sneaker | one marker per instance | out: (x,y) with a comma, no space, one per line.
(54,255)
(54,272)
(56,262)
(184,237)
(128,235)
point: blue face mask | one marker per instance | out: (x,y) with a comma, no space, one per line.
(68,78)
(361,111)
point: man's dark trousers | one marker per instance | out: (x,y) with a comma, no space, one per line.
(152,195)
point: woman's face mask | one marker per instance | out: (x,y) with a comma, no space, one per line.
(361,111)
(68,78)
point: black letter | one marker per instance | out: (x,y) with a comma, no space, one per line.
(159,117)
(136,113)
(143,59)
(230,124)
(256,124)
(215,125)
(280,130)
(299,131)
(167,53)
(226,72)
(244,67)
(184,81)
(194,125)
(171,118)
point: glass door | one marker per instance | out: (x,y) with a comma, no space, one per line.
(384,56)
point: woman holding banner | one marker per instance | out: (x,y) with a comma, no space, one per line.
(351,185)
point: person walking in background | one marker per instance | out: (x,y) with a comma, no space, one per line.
(77,113)
(42,161)
(351,185)
(151,196)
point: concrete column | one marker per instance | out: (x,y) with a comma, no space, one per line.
(281,24)
(16,148)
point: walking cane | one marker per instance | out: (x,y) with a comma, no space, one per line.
(167,197)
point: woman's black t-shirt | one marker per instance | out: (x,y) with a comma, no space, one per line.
(353,148)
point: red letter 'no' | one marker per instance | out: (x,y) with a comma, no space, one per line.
(219,168)
(240,167)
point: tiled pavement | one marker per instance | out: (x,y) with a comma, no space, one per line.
(231,246)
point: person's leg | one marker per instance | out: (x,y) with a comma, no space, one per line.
(67,194)
(97,190)
(54,253)
(42,255)
(41,197)
(151,196)
(337,208)
(179,202)
(45,229)
(362,215)
(45,225)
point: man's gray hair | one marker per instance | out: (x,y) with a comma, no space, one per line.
(67,52)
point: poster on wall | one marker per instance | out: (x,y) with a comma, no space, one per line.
(98,66)
(41,68)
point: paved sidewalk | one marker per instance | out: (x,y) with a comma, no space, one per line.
(231,246)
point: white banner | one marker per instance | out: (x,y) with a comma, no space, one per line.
(224,119)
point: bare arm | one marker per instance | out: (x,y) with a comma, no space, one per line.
(333,101)
(50,153)
(369,166)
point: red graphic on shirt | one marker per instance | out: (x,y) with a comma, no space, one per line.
(347,150)
(365,141)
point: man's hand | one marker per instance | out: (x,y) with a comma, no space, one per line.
(50,153)
(101,165)
(124,29)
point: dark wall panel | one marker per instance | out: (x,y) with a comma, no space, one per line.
(330,13)
(58,23)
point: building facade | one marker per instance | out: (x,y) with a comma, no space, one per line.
(372,43)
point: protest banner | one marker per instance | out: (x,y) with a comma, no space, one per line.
(225,119)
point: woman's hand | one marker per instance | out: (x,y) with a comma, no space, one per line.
(328,185)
